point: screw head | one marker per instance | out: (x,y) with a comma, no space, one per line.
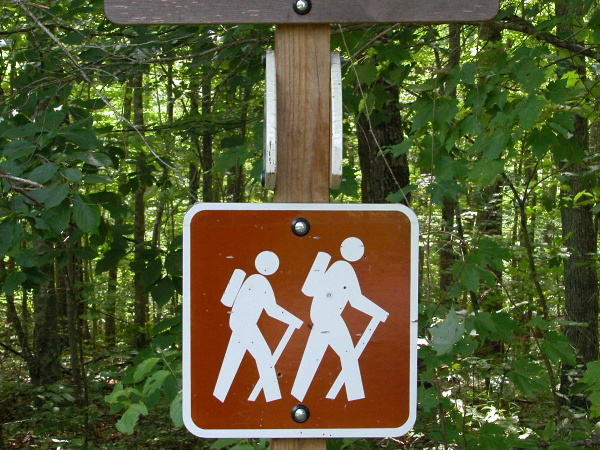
(300,413)
(302,6)
(300,227)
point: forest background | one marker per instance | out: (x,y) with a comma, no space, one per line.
(490,132)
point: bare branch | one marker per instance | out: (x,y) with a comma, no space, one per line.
(515,23)
(19,179)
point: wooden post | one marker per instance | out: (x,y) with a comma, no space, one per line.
(303,60)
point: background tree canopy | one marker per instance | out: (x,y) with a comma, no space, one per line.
(490,132)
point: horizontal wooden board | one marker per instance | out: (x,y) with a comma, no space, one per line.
(281,11)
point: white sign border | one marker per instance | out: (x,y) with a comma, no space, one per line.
(295,432)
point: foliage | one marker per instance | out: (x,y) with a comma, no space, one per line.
(99,122)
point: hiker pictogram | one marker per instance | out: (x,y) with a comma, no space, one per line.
(332,289)
(248,298)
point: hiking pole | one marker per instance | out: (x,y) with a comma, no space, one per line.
(276,354)
(360,346)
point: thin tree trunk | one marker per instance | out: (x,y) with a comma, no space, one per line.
(140,297)
(382,173)
(46,344)
(206,157)
(111,308)
(449,203)
(69,274)
(235,176)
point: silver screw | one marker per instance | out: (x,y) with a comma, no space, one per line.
(301,5)
(300,227)
(300,413)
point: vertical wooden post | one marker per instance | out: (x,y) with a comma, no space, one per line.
(303,61)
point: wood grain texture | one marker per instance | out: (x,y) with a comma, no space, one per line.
(303,59)
(298,444)
(281,11)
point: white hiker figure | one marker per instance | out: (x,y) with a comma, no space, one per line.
(248,299)
(332,288)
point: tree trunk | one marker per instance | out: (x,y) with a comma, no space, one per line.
(203,147)
(449,203)
(206,157)
(69,274)
(110,329)
(139,234)
(235,176)
(489,223)
(382,173)
(580,270)
(45,366)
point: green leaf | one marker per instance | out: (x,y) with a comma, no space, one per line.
(85,252)
(401,195)
(97,179)
(18,148)
(130,417)
(529,111)
(58,218)
(13,281)
(144,368)
(243,446)
(485,171)
(424,108)
(110,259)
(467,274)
(366,73)
(427,398)
(162,291)
(176,411)
(10,235)
(151,273)
(94,159)
(592,374)
(447,333)
(558,348)
(83,138)
(27,130)
(549,431)
(43,173)
(165,324)
(155,381)
(540,140)
(594,24)
(222,443)
(73,174)
(525,69)
(87,217)
(52,195)
(400,149)
(528,378)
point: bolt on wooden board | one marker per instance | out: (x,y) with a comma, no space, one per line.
(298,11)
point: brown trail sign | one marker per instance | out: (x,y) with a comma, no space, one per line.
(300,320)
(272,407)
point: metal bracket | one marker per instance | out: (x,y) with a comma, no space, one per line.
(337,114)
(270,122)
(270,127)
